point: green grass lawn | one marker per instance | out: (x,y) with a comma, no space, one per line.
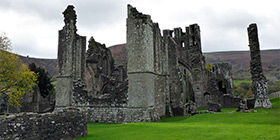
(263,125)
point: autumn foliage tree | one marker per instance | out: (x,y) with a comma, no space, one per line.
(208,67)
(243,90)
(15,78)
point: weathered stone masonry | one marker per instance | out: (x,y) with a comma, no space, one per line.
(67,124)
(71,59)
(143,71)
(162,74)
(104,90)
(259,82)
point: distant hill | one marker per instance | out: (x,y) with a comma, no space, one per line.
(240,61)
(50,65)
(119,53)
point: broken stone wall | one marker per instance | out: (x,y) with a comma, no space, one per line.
(229,101)
(212,95)
(223,74)
(179,71)
(71,58)
(133,95)
(197,64)
(173,75)
(111,114)
(99,68)
(68,124)
(219,87)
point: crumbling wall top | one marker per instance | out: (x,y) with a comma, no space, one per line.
(133,13)
(95,45)
(70,15)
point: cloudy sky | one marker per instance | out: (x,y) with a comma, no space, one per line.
(33,25)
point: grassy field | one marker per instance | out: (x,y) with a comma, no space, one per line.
(238,82)
(263,125)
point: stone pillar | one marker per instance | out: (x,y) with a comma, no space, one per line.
(71,58)
(140,65)
(259,82)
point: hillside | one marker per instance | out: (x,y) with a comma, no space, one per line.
(240,61)
(49,64)
(119,53)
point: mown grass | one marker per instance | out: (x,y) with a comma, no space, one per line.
(263,125)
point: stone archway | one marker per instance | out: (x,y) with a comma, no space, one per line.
(206,96)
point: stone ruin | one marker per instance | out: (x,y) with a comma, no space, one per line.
(30,102)
(164,75)
(57,125)
(259,82)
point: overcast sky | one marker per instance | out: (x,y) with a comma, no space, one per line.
(33,25)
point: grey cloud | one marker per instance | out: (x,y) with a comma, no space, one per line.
(96,14)
(220,31)
(46,10)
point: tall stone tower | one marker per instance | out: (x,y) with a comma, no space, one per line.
(140,66)
(197,62)
(71,59)
(259,82)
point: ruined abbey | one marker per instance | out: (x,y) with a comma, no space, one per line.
(164,74)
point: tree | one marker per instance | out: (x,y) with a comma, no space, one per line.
(273,86)
(44,81)
(208,67)
(15,78)
(243,90)
(5,42)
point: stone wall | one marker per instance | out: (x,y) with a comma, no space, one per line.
(101,76)
(162,73)
(229,101)
(141,68)
(223,75)
(197,63)
(112,114)
(274,95)
(67,124)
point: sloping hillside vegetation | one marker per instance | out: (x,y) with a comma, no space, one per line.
(240,61)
